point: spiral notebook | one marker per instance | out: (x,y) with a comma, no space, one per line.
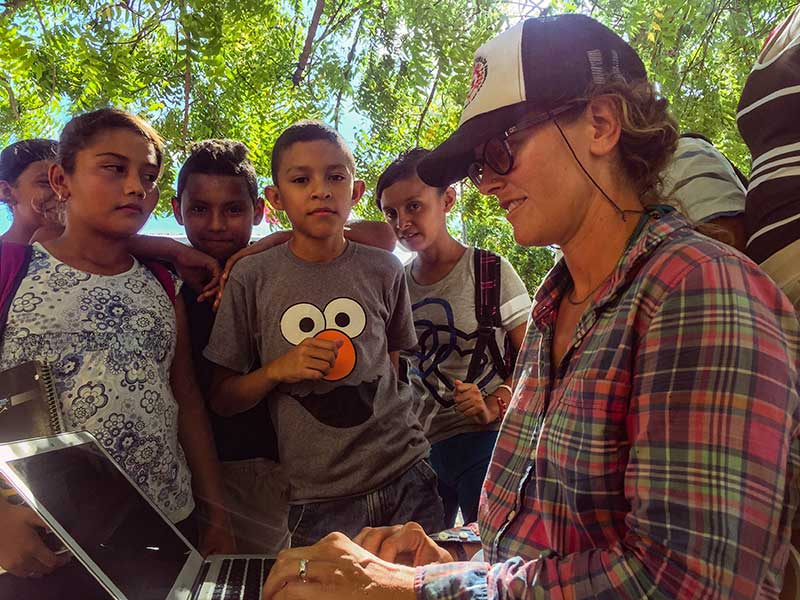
(28,403)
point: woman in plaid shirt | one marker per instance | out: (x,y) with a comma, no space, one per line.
(651,446)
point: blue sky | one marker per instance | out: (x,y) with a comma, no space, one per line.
(155,225)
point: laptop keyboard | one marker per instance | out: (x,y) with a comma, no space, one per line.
(241,579)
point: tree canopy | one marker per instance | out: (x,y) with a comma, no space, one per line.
(391,74)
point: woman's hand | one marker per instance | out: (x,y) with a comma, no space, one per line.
(471,403)
(404,544)
(336,567)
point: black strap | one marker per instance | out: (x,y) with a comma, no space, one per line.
(487,314)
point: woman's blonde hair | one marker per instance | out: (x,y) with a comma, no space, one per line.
(647,143)
(649,134)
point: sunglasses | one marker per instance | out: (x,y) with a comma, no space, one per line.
(497,152)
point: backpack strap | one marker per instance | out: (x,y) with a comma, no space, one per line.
(487,314)
(14,261)
(164,277)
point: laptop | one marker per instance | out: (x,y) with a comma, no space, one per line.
(115,531)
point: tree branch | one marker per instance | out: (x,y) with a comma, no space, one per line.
(346,17)
(187,79)
(12,99)
(11,6)
(332,18)
(129,7)
(428,102)
(704,43)
(187,93)
(46,34)
(347,71)
(150,25)
(312,31)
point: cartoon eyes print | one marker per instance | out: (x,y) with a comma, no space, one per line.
(342,320)
(301,321)
(346,315)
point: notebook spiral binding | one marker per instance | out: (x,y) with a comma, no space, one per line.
(29,405)
(45,377)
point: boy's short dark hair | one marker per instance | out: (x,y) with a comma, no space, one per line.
(17,157)
(402,167)
(219,157)
(308,130)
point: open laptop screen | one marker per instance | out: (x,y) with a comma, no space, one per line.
(119,530)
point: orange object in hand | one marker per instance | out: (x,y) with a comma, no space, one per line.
(345,358)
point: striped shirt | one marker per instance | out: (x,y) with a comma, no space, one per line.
(704,182)
(767,119)
(662,460)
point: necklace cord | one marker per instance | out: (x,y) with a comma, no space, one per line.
(639,227)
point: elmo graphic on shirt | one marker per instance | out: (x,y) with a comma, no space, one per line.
(342,319)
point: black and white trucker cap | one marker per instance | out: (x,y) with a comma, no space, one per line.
(539,64)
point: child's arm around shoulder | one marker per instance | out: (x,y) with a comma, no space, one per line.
(370,233)
(199,270)
(378,234)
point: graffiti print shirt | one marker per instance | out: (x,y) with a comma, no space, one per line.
(447,330)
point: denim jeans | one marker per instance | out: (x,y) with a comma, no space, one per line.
(461,463)
(410,497)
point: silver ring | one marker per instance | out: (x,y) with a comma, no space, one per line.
(303,570)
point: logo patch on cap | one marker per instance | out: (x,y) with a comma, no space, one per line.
(480,69)
(600,70)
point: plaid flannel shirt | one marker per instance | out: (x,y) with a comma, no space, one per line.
(662,460)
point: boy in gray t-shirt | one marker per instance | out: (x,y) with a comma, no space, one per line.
(325,319)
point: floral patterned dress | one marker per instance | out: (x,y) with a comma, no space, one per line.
(109,340)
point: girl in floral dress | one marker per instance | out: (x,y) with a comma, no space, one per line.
(116,344)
